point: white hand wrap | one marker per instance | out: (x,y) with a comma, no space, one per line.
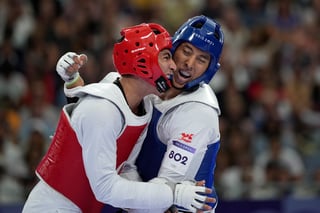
(63,64)
(185,194)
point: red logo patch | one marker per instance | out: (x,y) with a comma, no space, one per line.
(186,137)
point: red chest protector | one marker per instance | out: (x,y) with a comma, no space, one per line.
(62,167)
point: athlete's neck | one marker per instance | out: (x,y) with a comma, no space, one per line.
(135,89)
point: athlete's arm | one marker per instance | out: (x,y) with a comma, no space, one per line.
(189,131)
(97,131)
(192,135)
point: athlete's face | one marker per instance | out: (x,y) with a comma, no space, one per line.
(191,63)
(166,62)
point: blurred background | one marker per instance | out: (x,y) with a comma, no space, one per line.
(268,88)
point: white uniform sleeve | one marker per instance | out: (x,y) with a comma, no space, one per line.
(187,130)
(97,123)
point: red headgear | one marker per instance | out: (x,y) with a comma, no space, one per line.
(137,53)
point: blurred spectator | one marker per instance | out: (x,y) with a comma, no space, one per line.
(236,36)
(213,9)
(253,12)
(38,113)
(290,163)
(316,181)
(13,83)
(12,168)
(11,189)
(16,17)
(277,182)
(36,148)
(236,177)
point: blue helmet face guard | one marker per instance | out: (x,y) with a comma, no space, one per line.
(205,34)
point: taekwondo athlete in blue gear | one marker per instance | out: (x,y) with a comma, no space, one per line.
(183,137)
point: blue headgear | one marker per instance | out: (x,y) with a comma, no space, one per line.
(205,34)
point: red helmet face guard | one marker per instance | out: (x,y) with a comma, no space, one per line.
(137,53)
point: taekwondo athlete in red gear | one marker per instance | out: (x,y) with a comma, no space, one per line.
(183,137)
(79,171)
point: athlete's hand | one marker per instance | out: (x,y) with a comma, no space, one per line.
(193,196)
(206,208)
(69,64)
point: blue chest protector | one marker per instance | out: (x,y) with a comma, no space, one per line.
(152,151)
